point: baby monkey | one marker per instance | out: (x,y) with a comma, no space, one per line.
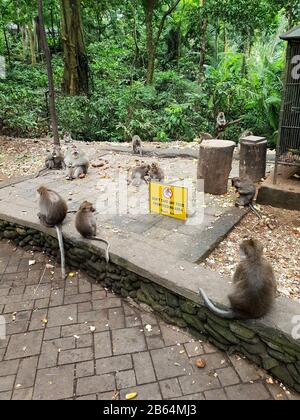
(54,160)
(139,174)
(246,190)
(255,285)
(86,225)
(137,145)
(156,172)
(53,210)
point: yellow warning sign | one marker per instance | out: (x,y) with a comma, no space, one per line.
(168,200)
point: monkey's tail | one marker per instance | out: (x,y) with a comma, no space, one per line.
(95,238)
(43,171)
(255,211)
(62,250)
(217,311)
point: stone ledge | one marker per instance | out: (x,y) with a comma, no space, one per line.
(171,290)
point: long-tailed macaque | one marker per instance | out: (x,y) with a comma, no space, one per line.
(221,120)
(156,172)
(137,145)
(53,210)
(255,285)
(86,225)
(76,162)
(247,191)
(54,160)
(139,174)
(67,137)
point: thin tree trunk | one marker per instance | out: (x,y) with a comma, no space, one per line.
(50,74)
(76,71)
(24,44)
(30,31)
(6,45)
(152,42)
(203,42)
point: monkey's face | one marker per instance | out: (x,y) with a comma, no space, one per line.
(87,207)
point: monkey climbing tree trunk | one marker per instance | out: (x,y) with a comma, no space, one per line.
(214,165)
(46,50)
(76,70)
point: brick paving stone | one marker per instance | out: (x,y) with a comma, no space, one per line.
(128,340)
(246,371)
(55,383)
(248,392)
(144,392)
(27,371)
(143,368)
(169,363)
(170,388)
(7,382)
(77,355)
(23,394)
(228,376)
(113,364)
(62,315)
(9,368)
(215,395)
(24,345)
(64,359)
(125,379)
(95,384)
(5,396)
(85,369)
(198,383)
(103,347)
(172,335)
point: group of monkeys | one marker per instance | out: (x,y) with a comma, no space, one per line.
(53,211)
(254,279)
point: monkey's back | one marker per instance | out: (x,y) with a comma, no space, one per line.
(84,224)
(55,209)
(255,289)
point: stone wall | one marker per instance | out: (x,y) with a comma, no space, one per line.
(269,348)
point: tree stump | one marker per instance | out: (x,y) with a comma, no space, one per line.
(214,165)
(253,158)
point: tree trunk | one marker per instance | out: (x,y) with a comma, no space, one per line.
(76,70)
(24,44)
(6,45)
(45,46)
(32,43)
(203,42)
(214,165)
(150,41)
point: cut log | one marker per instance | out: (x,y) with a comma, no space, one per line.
(214,165)
(253,158)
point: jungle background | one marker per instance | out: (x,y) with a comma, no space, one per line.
(160,69)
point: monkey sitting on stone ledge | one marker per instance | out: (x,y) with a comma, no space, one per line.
(255,285)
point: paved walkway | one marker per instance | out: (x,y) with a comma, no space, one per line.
(76,340)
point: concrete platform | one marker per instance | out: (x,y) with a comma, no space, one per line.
(285,193)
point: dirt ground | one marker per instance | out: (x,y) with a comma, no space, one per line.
(279,230)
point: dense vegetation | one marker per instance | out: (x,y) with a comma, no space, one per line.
(161,69)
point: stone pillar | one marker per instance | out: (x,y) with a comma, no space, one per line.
(253,157)
(214,165)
